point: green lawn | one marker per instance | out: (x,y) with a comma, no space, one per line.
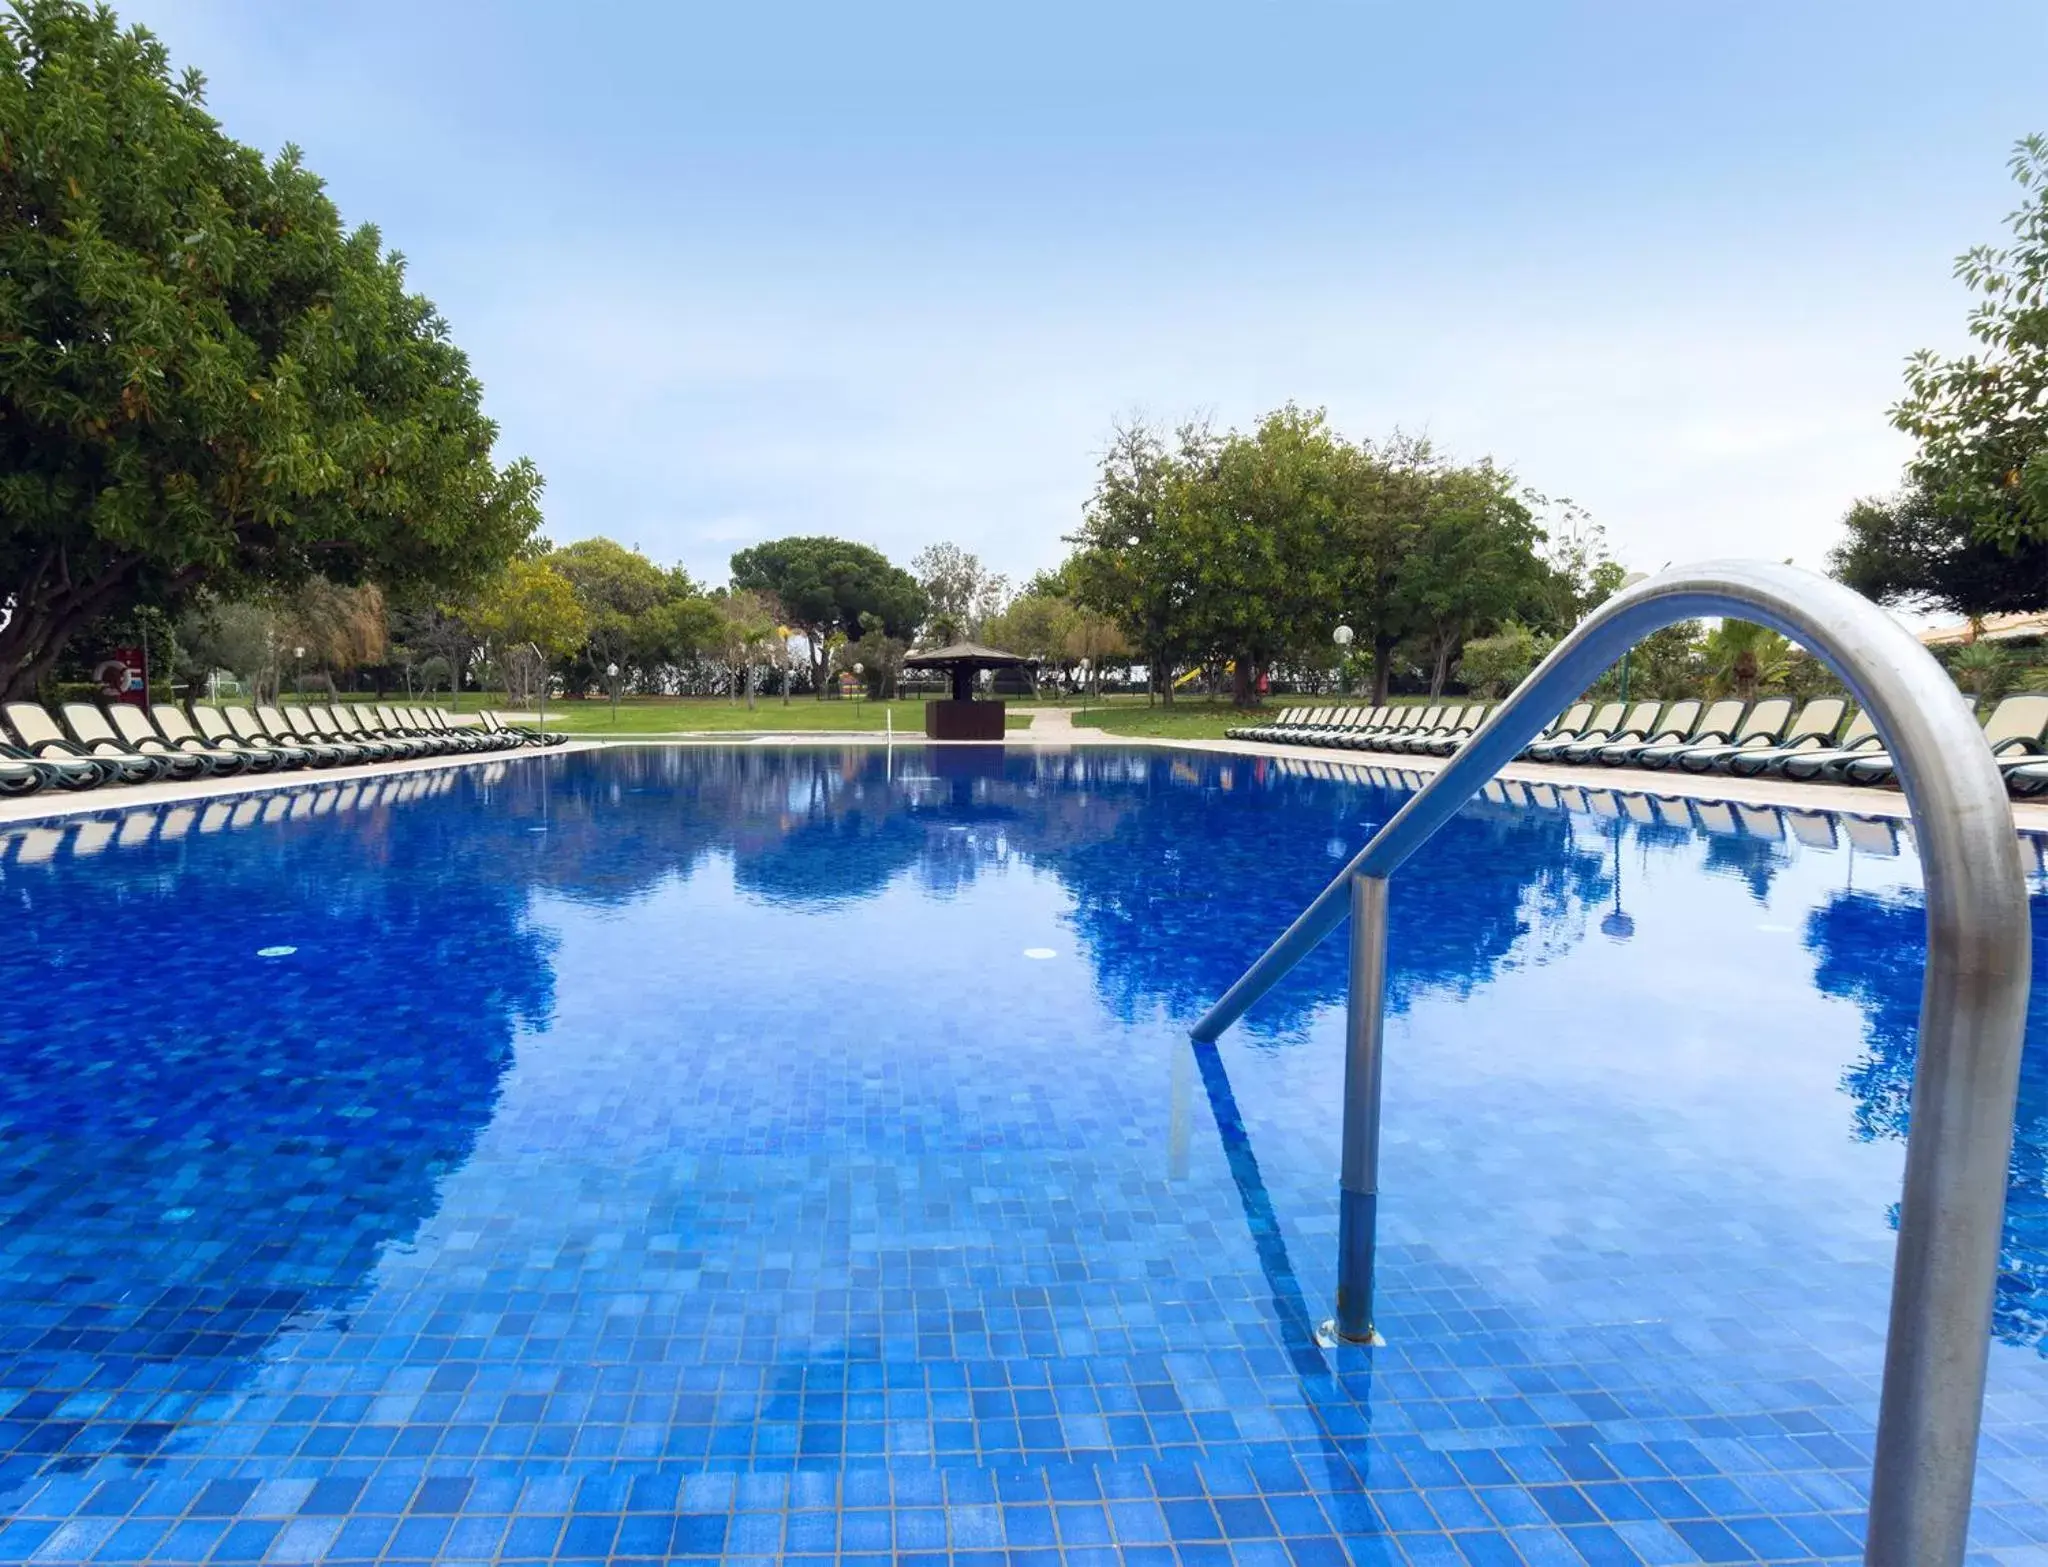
(697,715)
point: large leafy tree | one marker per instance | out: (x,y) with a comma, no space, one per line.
(961,594)
(1134,559)
(205,381)
(1261,520)
(1982,419)
(825,586)
(1914,550)
(528,615)
(1470,565)
(637,616)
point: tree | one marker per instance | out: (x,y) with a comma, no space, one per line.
(825,585)
(960,594)
(239,637)
(1982,419)
(617,588)
(745,635)
(204,381)
(1493,666)
(1257,524)
(1132,558)
(1918,552)
(339,627)
(1984,669)
(1742,657)
(1470,565)
(529,609)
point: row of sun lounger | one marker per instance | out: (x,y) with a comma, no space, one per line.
(1816,829)
(84,746)
(1769,739)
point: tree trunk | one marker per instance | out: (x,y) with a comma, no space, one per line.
(1442,669)
(747,680)
(1243,684)
(1382,669)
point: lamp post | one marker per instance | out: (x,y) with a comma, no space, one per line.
(298,671)
(542,664)
(611,674)
(859,690)
(1343,636)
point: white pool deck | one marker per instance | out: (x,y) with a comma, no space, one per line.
(1053,729)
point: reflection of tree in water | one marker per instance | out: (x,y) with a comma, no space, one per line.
(200,1147)
(1755,861)
(1224,854)
(803,827)
(1871,950)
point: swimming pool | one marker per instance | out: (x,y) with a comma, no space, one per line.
(799,1153)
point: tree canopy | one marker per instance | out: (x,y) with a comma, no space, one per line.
(825,585)
(1982,418)
(1915,550)
(1247,550)
(205,381)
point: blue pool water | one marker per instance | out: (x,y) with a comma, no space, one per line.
(760,1153)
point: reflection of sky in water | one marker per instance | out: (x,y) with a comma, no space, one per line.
(616,1125)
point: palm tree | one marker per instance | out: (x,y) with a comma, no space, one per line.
(1982,669)
(1743,657)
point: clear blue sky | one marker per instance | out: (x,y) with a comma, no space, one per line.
(892,272)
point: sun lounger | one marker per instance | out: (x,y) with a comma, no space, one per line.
(1674,728)
(325,727)
(299,725)
(1717,726)
(1401,722)
(1636,726)
(401,722)
(2014,731)
(89,726)
(242,723)
(1761,731)
(435,722)
(18,777)
(172,728)
(1813,730)
(1436,723)
(40,740)
(1328,721)
(1568,726)
(484,737)
(1859,739)
(1426,719)
(1605,722)
(1268,729)
(272,721)
(1466,727)
(339,721)
(213,728)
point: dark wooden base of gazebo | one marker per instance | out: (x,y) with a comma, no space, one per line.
(964,720)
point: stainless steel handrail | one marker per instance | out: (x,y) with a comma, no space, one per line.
(1972,1007)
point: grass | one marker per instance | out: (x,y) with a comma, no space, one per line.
(698,715)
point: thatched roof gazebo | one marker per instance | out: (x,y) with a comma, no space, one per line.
(963,718)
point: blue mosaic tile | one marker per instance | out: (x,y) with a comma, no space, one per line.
(672,1155)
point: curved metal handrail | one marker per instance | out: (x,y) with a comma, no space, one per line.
(1972,1010)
